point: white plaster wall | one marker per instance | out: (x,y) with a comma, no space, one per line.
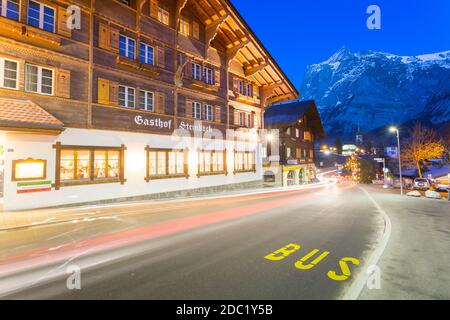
(22,146)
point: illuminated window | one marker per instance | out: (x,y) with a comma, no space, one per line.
(41,16)
(288,152)
(184,27)
(211,162)
(307,135)
(29,169)
(244,161)
(127,47)
(38,79)
(87,165)
(163,16)
(245,88)
(10,9)
(166,163)
(8,74)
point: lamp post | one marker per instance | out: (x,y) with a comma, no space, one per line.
(395,129)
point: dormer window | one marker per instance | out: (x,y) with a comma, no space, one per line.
(163,16)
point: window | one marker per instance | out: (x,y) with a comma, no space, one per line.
(196,71)
(298,153)
(184,27)
(307,135)
(127,47)
(297,133)
(86,165)
(41,16)
(208,113)
(38,79)
(288,131)
(288,152)
(163,16)
(29,169)
(146,54)
(211,162)
(245,88)
(248,120)
(196,110)
(166,163)
(244,161)
(126,97)
(8,74)
(209,75)
(242,119)
(10,9)
(147,101)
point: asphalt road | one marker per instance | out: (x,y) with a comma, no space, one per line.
(205,249)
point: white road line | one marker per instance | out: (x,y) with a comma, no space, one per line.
(361,280)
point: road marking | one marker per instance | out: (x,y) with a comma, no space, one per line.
(284,252)
(361,279)
(300,264)
(346,273)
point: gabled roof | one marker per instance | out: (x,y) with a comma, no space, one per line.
(26,115)
(288,113)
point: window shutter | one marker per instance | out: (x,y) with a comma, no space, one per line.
(252,120)
(114,93)
(161,104)
(160,56)
(217,77)
(154,8)
(62,22)
(235,85)
(255,121)
(217,114)
(188,70)
(189,109)
(104,36)
(114,40)
(196,30)
(236,117)
(63,83)
(255,91)
(103,91)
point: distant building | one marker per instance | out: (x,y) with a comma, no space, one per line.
(299,125)
(349,149)
(391,152)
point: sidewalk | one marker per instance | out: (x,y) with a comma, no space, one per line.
(30,218)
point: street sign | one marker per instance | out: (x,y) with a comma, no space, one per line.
(379,159)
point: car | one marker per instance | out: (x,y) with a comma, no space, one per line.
(421,184)
(442,187)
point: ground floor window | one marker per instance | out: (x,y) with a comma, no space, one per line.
(212,162)
(244,161)
(76,165)
(166,163)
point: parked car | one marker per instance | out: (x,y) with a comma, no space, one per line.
(421,184)
(442,187)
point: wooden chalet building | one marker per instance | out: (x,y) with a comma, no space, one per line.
(296,125)
(91,92)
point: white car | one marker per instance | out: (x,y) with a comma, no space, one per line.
(421,184)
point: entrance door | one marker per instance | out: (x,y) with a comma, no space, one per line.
(291,178)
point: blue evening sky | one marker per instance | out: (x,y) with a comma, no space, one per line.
(302,32)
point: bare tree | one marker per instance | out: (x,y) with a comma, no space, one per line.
(423,144)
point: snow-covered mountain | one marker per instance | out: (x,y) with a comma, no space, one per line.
(373,89)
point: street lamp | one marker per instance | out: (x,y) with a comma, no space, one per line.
(395,130)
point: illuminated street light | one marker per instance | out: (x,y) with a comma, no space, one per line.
(395,130)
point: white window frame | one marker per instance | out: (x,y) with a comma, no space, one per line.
(241,119)
(196,110)
(4,9)
(127,93)
(127,46)
(2,73)
(297,132)
(163,15)
(196,71)
(147,99)
(146,50)
(41,14)
(39,79)
(209,116)
(209,75)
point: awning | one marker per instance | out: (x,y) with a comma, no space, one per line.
(27,116)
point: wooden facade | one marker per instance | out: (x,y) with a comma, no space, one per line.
(238,77)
